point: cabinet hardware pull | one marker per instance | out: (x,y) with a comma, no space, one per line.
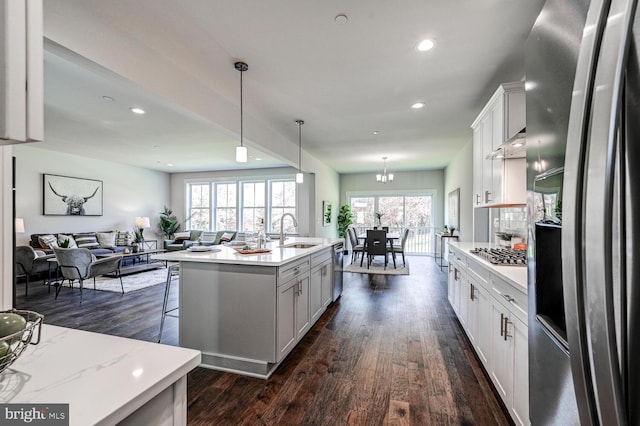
(501,324)
(506,330)
(509,298)
(486,196)
(472,292)
(477,198)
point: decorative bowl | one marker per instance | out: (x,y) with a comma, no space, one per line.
(18,341)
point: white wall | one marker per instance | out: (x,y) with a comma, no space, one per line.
(6,229)
(459,174)
(421,180)
(127,192)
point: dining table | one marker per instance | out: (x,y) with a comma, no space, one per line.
(391,237)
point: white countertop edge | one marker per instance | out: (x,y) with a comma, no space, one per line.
(514,275)
(277,257)
(57,374)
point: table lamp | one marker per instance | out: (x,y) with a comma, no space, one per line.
(141,223)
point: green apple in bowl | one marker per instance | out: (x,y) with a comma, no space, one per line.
(4,350)
(11,323)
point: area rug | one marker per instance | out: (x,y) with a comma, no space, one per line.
(130,282)
(377,267)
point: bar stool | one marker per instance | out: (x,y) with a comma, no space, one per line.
(173,270)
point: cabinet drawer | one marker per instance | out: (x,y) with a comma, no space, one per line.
(458,258)
(479,272)
(320,258)
(512,298)
(292,270)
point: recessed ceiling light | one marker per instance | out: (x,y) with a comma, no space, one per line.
(376,132)
(425,45)
(137,110)
(108,98)
(341,19)
(258,159)
(418,105)
(170,164)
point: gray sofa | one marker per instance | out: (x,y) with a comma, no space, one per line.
(207,239)
(37,244)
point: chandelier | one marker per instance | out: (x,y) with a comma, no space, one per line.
(384,177)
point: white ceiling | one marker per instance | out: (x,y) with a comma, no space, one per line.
(344,81)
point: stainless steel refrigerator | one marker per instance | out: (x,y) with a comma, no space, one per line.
(583,166)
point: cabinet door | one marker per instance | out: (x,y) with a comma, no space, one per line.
(497,136)
(472,311)
(315,293)
(520,407)
(451,286)
(286,317)
(487,167)
(485,331)
(501,359)
(302,307)
(463,297)
(478,164)
(327,284)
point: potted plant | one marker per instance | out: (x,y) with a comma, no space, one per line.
(379,217)
(344,220)
(168,223)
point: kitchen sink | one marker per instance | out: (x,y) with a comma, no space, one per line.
(299,245)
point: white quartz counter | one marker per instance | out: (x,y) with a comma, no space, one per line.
(104,379)
(277,257)
(516,275)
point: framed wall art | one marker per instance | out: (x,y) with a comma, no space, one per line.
(71,196)
(326,213)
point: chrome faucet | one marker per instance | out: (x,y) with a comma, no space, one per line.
(295,223)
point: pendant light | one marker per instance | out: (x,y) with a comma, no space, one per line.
(384,177)
(299,175)
(241,151)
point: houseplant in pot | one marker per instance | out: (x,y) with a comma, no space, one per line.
(168,223)
(344,220)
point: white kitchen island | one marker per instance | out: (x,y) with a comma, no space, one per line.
(246,312)
(105,379)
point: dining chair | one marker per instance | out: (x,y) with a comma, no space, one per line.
(400,248)
(356,247)
(385,229)
(29,264)
(375,244)
(80,264)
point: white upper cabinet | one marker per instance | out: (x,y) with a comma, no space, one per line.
(21,78)
(497,181)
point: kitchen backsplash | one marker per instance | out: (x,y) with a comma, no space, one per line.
(512,220)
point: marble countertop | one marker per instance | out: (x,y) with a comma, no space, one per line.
(516,275)
(277,257)
(103,378)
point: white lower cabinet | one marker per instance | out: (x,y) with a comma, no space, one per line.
(293,302)
(320,287)
(493,314)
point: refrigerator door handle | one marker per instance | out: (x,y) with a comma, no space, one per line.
(573,211)
(599,191)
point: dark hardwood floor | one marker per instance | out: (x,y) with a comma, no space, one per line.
(390,351)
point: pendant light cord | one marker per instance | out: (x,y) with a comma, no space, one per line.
(241,111)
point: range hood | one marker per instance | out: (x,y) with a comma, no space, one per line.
(514,147)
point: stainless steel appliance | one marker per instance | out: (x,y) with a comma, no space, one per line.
(583,152)
(338,258)
(502,256)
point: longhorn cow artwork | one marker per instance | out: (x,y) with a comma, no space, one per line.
(71,196)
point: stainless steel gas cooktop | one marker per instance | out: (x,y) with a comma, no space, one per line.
(502,257)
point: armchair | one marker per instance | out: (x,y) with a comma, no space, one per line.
(29,263)
(79,264)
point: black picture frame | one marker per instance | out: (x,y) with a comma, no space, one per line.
(71,196)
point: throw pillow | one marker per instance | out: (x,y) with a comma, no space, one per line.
(181,236)
(48,241)
(62,238)
(227,236)
(106,239)
(87,240)
(40,253)
(123,238)
(208,236)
